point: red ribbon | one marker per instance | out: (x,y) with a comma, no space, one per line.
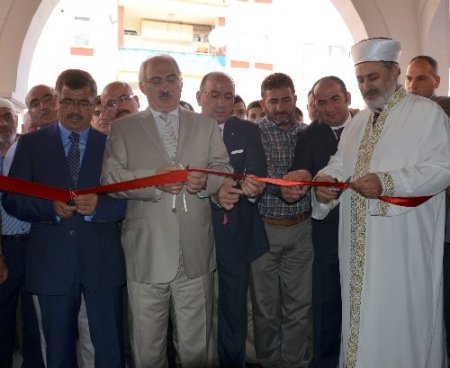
(8,184)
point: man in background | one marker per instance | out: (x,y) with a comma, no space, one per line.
(41,103)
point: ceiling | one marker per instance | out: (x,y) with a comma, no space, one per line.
(183,11)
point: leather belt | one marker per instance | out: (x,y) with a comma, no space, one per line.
(16,237)
(288,221)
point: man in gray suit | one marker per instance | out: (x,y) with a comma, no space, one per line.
(167,233)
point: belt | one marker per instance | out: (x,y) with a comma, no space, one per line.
(16,237)
(289,221)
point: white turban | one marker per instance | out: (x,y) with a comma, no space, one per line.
(8,104)
(376,49)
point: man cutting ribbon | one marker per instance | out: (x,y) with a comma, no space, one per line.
(390,256)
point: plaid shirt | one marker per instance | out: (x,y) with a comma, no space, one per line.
(279,145)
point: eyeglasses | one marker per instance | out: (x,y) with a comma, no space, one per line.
(110,104)
(68,102)
(158,81)
(36,102)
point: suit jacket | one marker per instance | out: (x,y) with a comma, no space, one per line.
(153,232)
(61,251)
(243,237)
(316,144)
(444,102)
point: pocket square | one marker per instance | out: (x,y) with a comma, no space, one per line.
(237,151)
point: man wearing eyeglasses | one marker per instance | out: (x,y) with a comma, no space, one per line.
(74,248)
(119,96)
(167,233)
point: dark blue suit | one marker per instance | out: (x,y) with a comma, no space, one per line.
(240,238)
(67,257)
(315,145)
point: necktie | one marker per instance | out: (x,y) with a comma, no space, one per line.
(376,114)
(73,157)
(169,137)
(338,133)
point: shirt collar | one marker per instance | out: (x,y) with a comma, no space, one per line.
(65,133)
(157,114)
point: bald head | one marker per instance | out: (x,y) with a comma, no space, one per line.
(120,97)
(41,103)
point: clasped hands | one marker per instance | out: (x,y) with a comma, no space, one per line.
(230,192)
(83,204)
(196,181)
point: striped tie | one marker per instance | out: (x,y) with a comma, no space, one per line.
(169,138)
(73,157)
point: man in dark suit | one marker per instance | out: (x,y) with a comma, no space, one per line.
(74,248)
(315,145)
(238,230)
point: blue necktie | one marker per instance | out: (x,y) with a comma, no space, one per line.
(73,157)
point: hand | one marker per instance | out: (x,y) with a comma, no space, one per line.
(326,194)
(86,204)
(252,187)
(196,181)
(353,111)
(292,194)
(172,188)
(3,270)
(63,209)
(368,186)
(228,195)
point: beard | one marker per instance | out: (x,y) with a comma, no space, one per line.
(380,101)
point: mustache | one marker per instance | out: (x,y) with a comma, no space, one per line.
(164,94)
(74,116)
(371,92)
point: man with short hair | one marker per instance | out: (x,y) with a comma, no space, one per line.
(281,278)
(390,255)
(422,79)
(238,230)
(74,248)
(14,238)
(167,233)
(41,103)
(255,112)
(316,143)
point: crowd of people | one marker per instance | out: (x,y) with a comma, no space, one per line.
(339,268)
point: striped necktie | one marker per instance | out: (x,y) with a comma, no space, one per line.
(168,136)
(73,157)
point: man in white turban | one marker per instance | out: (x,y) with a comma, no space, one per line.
(390,255)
